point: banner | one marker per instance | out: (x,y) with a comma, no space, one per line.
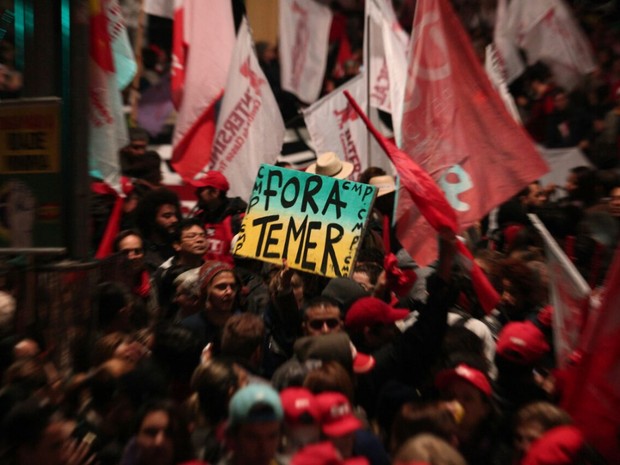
(547,32)
(304,36)
(200,67)
(385,46)
(570,296)
(250,130)
(112,68)
(313,222)
(592,392)
(457,128)
(334,127)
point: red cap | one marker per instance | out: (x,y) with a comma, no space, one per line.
(337,418)
(213,179)
(300,406)
(545,316)
(465,373)
(558,446)
(323,453)
(362,363)
(369,311)
(522,343)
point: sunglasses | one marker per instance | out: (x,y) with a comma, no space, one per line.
(318,324)
(137,251)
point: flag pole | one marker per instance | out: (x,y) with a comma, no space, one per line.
(367,70)
(134,92)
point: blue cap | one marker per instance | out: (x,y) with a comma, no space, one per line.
(255,403)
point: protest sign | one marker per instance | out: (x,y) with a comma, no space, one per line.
(314,222)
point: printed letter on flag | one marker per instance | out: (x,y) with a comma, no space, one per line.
(304,36)
(250,130)
(209,38)
(592,393)
(456,126)
(334,127)
(112,67)
(570,296)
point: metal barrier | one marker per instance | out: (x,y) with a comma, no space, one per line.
(55,298)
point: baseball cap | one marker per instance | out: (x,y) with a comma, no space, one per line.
(254,403)
(465,373)
(337,417)
(558,446)
(324,453)
(336,347)
(300,406)
(522,343)
(213,179)
(369,311)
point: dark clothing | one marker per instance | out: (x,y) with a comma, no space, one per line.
(409,358)
(155,254)
(164,281)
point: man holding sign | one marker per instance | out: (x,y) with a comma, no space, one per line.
(314,222)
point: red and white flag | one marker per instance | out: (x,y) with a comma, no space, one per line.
(304,37)
(250,130)
(335,127)
(493,65)
(508,52)
(570,296)
(385,46)
(547,31)
(204,37)
(112,68)
(592,393)
(457,128)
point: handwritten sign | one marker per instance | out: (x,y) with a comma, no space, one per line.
(314,222)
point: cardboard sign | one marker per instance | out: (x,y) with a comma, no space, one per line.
(314,222)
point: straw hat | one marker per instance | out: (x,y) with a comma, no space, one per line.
(384,184)
(329,164)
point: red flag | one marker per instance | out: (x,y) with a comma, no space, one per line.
(592,393)
(456,126)
(418,184)
(208,40)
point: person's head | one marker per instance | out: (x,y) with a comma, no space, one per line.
(437,418)
(215,383)
(614,201)
(138,140)
(427,448)
(523,291)
(187,295)
(218,291)
(331,376)
(113,303)
(211,189)
(190,242)
(322,316)
(162,435)
(254,424)
(533,195)
(37,433)
(560,99)
(367,275)
(301,418)
(242,337)
(158,213)
(130,243)
(338,423)
(373,320)
(470,388)
(533,420)
(582,185)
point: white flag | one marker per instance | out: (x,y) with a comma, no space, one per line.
(304,38)
(250,130)
(547,32)
(163,8)
(505,44)
(385,45)
(334,126)
(570,295)
(496,71)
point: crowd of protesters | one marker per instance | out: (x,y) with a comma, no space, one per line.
(199,356)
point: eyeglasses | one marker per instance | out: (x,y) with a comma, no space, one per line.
(317,324)
(194,235)
(136,251)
